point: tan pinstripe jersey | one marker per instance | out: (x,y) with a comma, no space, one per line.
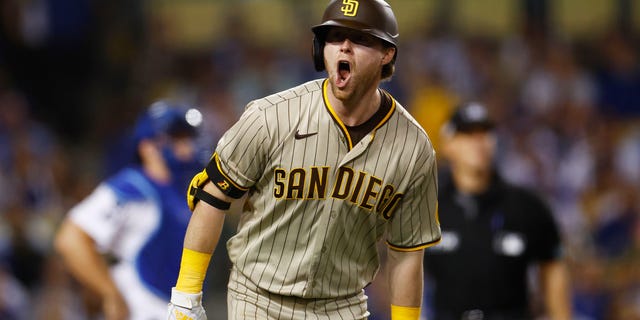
(317,204)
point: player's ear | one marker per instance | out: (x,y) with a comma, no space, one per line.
(389,53)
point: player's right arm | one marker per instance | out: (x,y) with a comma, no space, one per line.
(206,222)
(211,195)
(201,239)
(79,253)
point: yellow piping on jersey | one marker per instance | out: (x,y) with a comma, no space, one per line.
(386,117)
(215,155)
(420,247)
(333,113)
(342,125)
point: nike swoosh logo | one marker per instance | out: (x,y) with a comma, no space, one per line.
(299,135)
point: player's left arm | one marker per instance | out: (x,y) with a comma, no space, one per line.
(554,280)
(413,227)
(405,276)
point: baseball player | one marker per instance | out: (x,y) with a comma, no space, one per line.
(138,218)
(325,169)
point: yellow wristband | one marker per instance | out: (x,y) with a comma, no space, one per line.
(193,269)
(405,313)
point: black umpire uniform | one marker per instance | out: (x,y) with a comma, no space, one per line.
(479,270)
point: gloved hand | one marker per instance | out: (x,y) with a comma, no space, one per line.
(186,306)
(198,181)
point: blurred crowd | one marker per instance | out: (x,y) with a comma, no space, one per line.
(74,74)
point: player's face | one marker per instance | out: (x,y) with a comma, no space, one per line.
(354,61)
(180,157)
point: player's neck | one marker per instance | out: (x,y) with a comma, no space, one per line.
(356,108)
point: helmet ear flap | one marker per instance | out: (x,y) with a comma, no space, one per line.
(318,56)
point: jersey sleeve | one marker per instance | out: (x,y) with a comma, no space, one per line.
(547,244)
(239,159)
(98,216)
(414,224)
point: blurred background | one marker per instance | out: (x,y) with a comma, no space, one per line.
(562,78)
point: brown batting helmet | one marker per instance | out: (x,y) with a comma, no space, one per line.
(373,17)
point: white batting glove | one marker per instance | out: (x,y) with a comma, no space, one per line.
(186,306)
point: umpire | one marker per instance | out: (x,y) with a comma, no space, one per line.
(492,232)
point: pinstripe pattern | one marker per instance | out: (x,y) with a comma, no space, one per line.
(317,205)
(247,301)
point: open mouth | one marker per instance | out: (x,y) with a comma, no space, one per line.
(344,71)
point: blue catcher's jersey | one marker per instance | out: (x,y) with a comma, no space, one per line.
(142,224)
(158,261)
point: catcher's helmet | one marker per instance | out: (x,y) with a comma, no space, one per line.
(373,17)
(163,118)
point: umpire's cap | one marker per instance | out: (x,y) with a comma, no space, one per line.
(468,117)
(164,118)
(373,17)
